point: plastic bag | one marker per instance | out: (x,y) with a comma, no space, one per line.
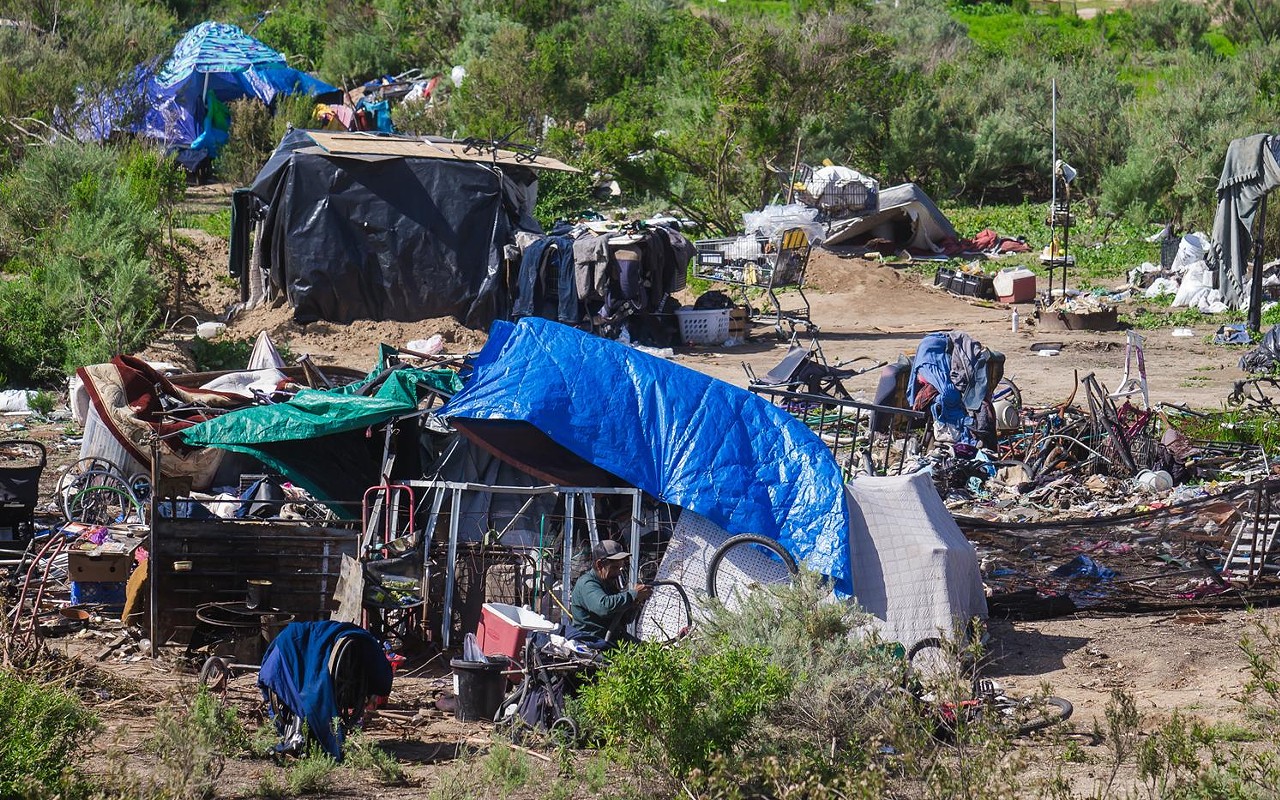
(1190,250)
(772,220)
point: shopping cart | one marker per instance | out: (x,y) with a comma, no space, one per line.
(763,263)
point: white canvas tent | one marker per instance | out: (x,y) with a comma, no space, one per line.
(906,216)
(913,570)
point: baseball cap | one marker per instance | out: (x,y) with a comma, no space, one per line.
(609,550)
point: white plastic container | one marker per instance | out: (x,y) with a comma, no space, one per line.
(209,330)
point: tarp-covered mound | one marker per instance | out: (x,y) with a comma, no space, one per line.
(906,217)
(914,570)
(388,238)
(681,436)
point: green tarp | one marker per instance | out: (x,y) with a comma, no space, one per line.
(317,439)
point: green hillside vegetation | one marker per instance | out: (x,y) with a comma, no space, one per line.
(685,104)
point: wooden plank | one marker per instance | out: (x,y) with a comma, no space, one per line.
(356,144)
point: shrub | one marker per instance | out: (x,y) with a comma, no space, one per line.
(311,774)
(219,354)
(32,345)
(192,746)
(40,729)
(680,708)
(841,680)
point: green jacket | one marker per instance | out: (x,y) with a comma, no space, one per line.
(598,610)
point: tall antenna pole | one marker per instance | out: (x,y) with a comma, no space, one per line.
(1053,147)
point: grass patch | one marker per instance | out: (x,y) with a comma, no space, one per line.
(214,223)
(41,726)
(1105,247)
(363,755)
(1259,428)
(311,774)
(506,767)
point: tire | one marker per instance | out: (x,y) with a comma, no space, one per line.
(1043,714)
(747,548)
(924,653)
(215,673)
(564,731)
(667,614)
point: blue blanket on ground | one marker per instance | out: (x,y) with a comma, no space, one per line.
(296,668)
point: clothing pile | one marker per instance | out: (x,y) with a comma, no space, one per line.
(954,376)
(611,282)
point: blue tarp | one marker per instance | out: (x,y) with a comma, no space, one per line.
(167,103)
(683,437)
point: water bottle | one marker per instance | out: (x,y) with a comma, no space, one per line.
(1013,321)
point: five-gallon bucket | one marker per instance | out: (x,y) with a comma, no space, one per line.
(480,686)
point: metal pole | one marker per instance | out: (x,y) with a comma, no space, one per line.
(153,573)
(1053,147)
(1255,289)
(635,538)
(566,589)
(450,576)
(589,506)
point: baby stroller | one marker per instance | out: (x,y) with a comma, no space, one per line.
(21,463)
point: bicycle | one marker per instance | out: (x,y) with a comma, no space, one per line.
(987,701)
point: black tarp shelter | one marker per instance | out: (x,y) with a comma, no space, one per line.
(368,226)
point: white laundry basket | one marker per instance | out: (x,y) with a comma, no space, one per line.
(710,326)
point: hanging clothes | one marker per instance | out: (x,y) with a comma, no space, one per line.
(549,262)
(1250,171)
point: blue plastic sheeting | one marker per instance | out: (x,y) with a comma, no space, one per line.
(683,437)
(167,103)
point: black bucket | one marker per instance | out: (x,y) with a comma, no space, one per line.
(481,685)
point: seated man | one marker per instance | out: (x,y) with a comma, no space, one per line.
(601,606)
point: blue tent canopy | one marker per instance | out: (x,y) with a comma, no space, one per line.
(683,437)
(216,47)
(167,103)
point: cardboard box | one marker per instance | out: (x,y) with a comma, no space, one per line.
(95,567)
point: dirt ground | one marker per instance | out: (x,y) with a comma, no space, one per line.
(863,309)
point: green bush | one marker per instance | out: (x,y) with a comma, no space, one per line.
(840,680)
(87,224)
(191,747)
(32,344)
(41,729)
(680,708)
(218,354)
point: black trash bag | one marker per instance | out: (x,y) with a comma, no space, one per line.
(1266,356)
(712,300)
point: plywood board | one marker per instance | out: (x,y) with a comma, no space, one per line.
(356,145)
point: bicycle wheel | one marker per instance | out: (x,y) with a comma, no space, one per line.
(747,562)
(1030,714)
(215,673)
(104,505)
(666,615)
(928,657)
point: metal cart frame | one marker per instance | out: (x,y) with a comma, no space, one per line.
(765,263)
